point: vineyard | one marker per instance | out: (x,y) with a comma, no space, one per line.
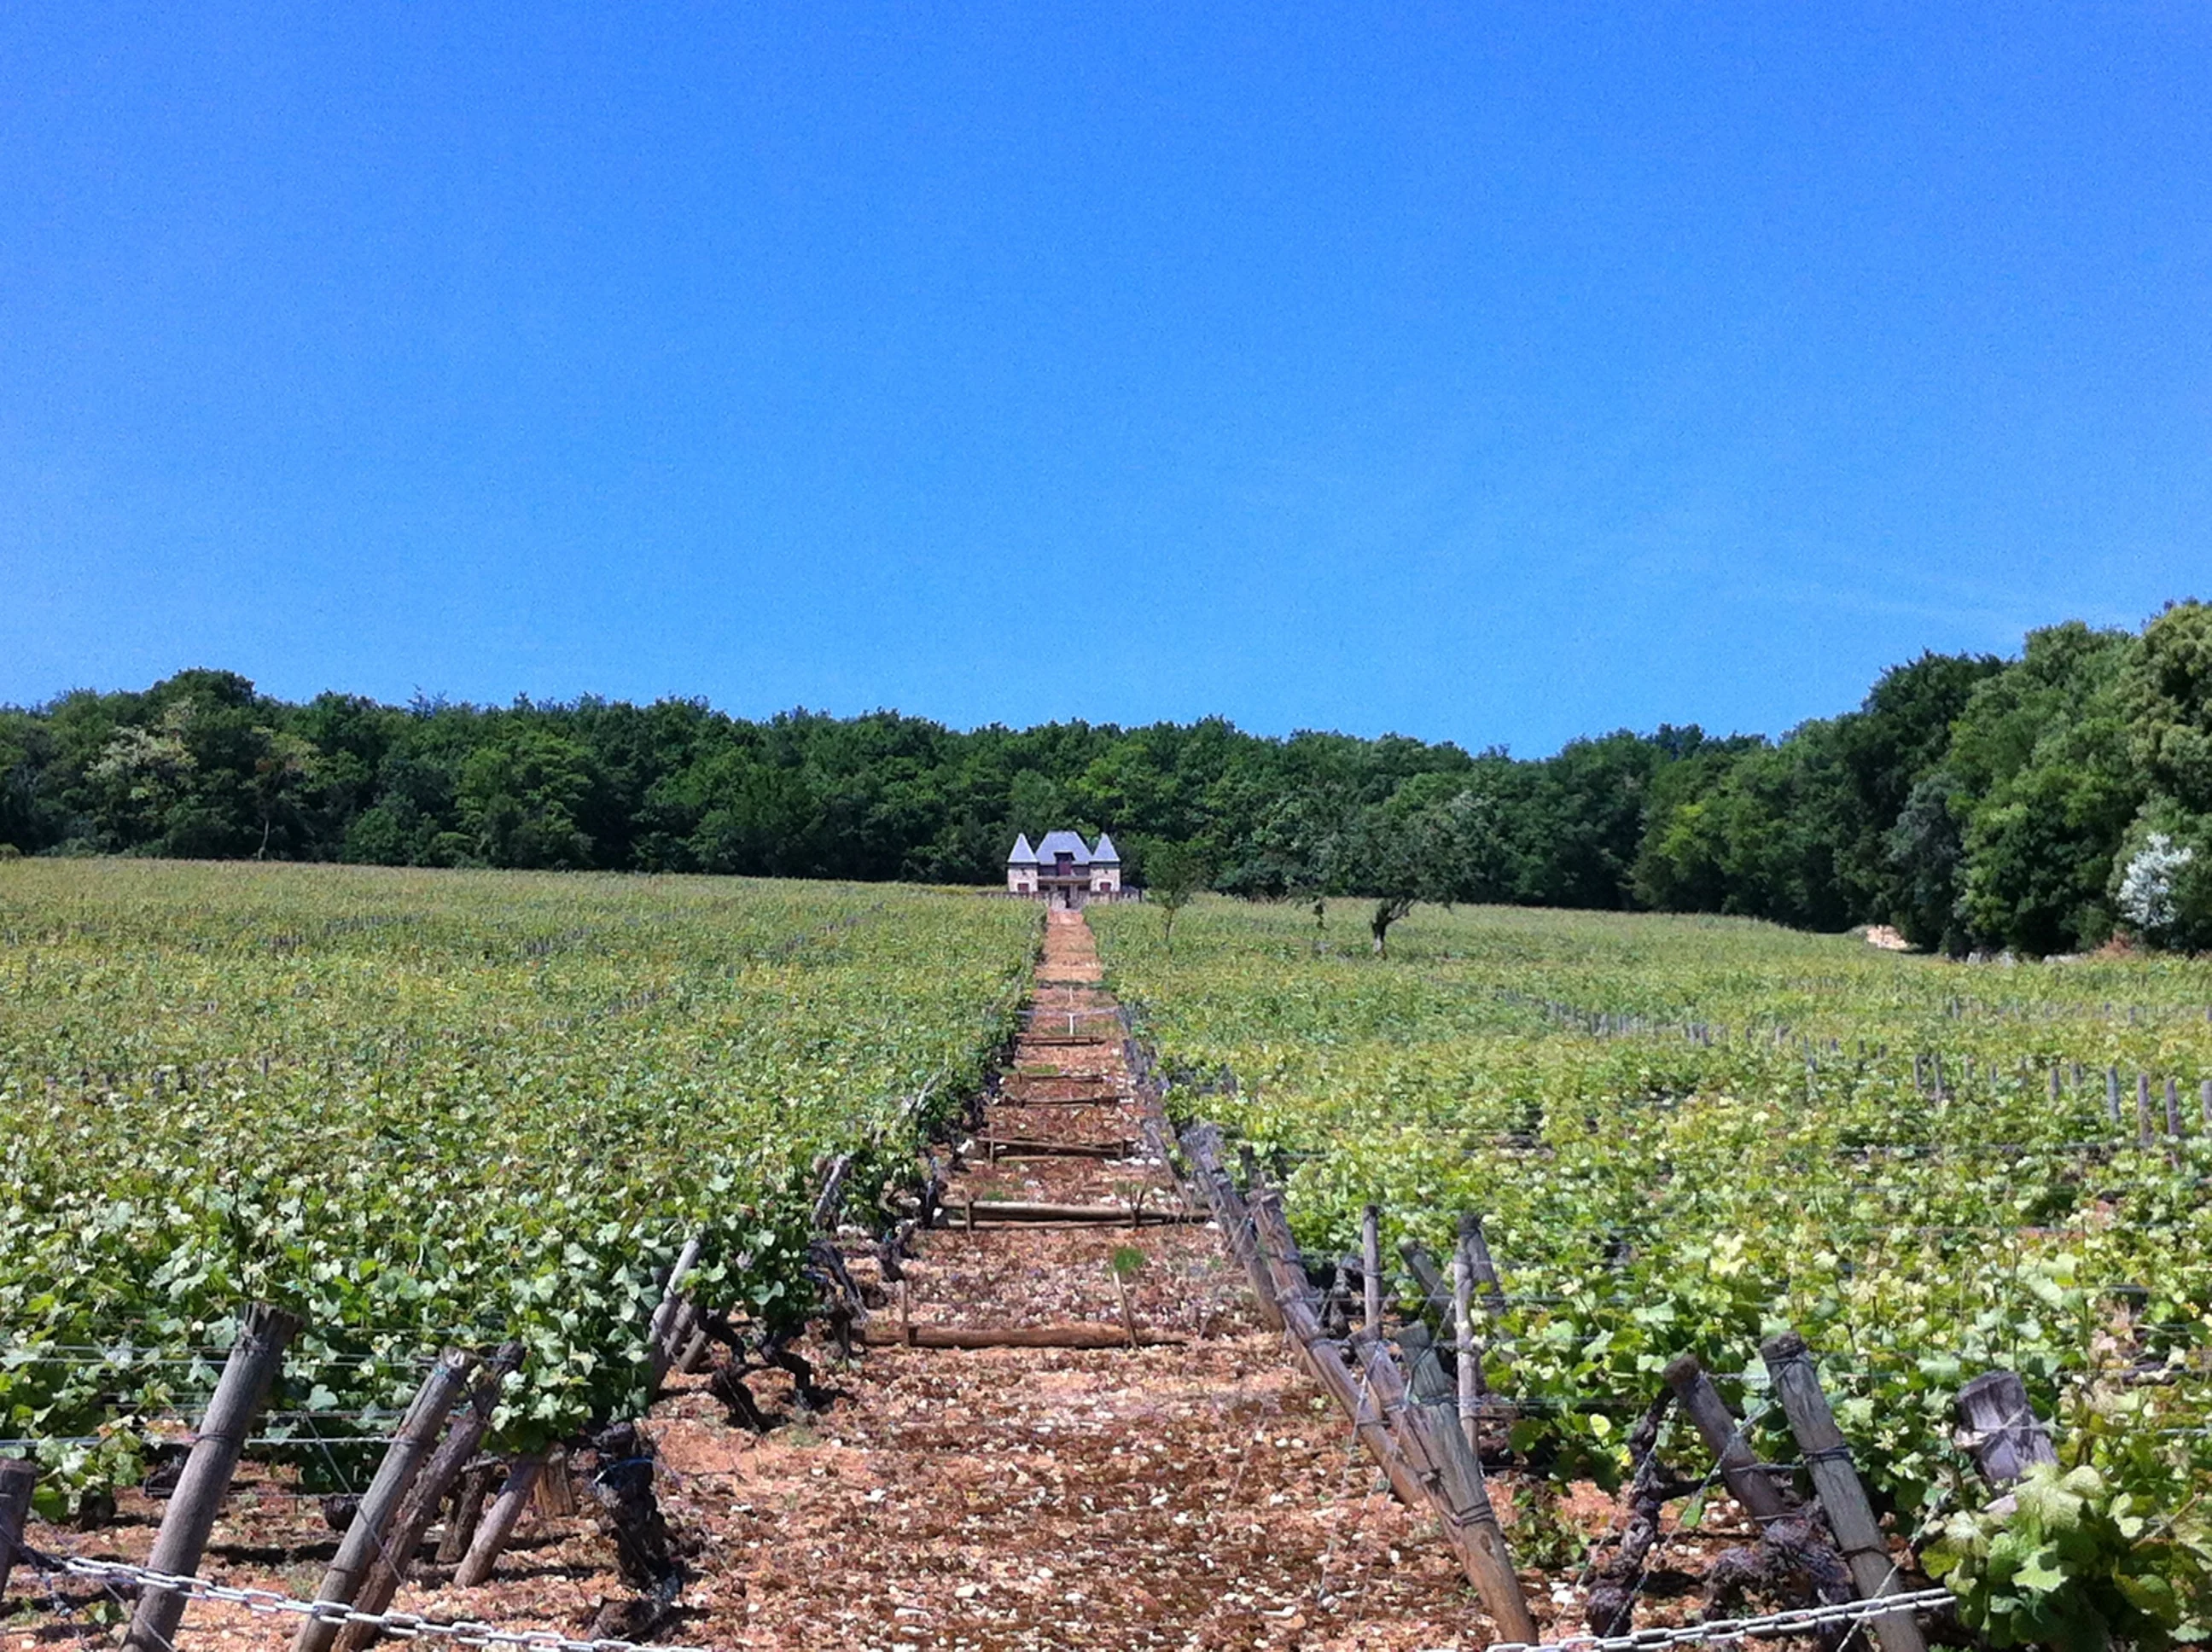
(1692,1136)
(418,1111)
(764,1254)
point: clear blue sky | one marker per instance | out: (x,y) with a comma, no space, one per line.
(1484,373)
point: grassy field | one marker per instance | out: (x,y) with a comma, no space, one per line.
(423,1107)
(1688,1133)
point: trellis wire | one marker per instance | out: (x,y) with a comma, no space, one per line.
(1733,1629)
(403,1626)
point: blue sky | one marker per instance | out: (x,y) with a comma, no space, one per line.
(1482,374)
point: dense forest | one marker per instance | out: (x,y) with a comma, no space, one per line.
(2042,804)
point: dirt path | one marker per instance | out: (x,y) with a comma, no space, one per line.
(1194,1495)
(1182,1496)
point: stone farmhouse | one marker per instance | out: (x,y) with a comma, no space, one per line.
(1064,870)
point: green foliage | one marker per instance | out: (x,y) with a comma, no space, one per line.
(2077,1566)
(1649,1193)
(427,1107)
(1173,874)
(1976,803)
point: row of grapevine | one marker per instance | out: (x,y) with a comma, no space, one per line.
(1649,1195)
(422,1110)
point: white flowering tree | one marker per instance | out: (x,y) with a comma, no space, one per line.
(2148,892)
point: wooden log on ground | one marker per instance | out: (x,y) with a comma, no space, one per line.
(1828,1460)
(1999,1429)
(1016,1147)
(403,1460)
(18,1480)
(417,1509)
(239,1396)
(1002,1212)
(1748,1480)
(1077,1335)
(499,1520)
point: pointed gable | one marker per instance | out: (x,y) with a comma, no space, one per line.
(1105,854)
(1022,855)
(1056,844)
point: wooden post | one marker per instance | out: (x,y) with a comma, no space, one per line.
(1463,1354)
(1828,1460)
(465,1510)
(665,1316)
(1285,1262)
(2054,1086)
(1478,1257)
(1747,1478)
(556,1492)
(420,1506)
(2172,1108)
(262,1333)
(402,1461)
(1436,1291)
(1201,1145)
(2144,1131)
(1999,1430)
(499,1520)
(2112,1093)
(1371,1270)
(18,1478)
(1429,1437)
(1325,1359)
(2204,1098)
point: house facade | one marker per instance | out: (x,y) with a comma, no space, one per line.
(1065,871)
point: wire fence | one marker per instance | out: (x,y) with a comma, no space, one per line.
(401,1626)
(1797,1621)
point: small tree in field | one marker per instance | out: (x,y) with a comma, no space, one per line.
(1173,873)
(1400,857)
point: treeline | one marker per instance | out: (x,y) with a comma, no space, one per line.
(2042,804)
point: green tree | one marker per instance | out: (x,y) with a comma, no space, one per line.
(2046,792)
(520,797)
(1173,874)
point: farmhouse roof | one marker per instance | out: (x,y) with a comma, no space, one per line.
(1104,854)
(1022,855)
(1056,844)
